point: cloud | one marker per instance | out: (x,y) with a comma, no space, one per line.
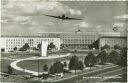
(122,17)
(21,19)
(74,12)
(99,27)
(49,24)
(22,12)
(84,24)
(34,23)
(118,24)
(34,8)
(28,14)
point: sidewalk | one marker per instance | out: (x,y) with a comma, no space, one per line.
(79,72)
(14,64)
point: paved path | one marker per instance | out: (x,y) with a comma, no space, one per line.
(77,75)
(14,64)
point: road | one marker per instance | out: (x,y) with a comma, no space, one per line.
(107,74)
(93,76)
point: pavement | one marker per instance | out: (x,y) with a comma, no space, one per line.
(87,74)
(108,74)
(14,64)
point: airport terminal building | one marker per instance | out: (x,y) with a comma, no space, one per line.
(113,40)
(76,39)
(73,40)
(79,39)
(9,42)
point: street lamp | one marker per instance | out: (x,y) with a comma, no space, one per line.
(38,68)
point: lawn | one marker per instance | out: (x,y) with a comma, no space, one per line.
(7,58)
(37,65)
(31,64)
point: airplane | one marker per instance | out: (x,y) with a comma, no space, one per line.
(63,17)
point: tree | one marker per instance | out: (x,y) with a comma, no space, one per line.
(90,59)
(26,46)
(51,70)
(61,46)
(95,44)
(102,56)
(58,67)
(65,64)
(80,65)
(2,50)
(10,71)
(45,67)
(73,63)
(34,48)
(22,49)
(45,76)
(114,57)
(39,46)
(106,46)
(51,46)
(116,47)
(15,48)
(123,56)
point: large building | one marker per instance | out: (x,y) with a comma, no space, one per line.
(9,42)
(73,40)
(76,39)
(109,34)
(79,39)
(113,40)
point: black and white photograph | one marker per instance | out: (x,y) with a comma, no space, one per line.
(66,41)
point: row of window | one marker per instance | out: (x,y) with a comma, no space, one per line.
(29,39)
(114,41)
(93,36)
(84,41)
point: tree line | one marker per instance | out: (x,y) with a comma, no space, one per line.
(116,56)
(26,46)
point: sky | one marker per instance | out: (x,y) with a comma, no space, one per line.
(26,17)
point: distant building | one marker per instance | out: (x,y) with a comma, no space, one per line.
(113,40)
(76,39)
(9,42)
(101,34)
(73,40)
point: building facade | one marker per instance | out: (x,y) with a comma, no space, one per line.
(113,40)
(79,39)
(73,40)
(9,42)
(76,39)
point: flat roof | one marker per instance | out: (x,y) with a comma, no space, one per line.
(113,37)
(29,36)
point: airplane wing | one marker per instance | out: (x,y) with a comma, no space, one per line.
(73,19)
(51,16)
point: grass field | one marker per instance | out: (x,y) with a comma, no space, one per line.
(7,58)
(31,64)
(37,65)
